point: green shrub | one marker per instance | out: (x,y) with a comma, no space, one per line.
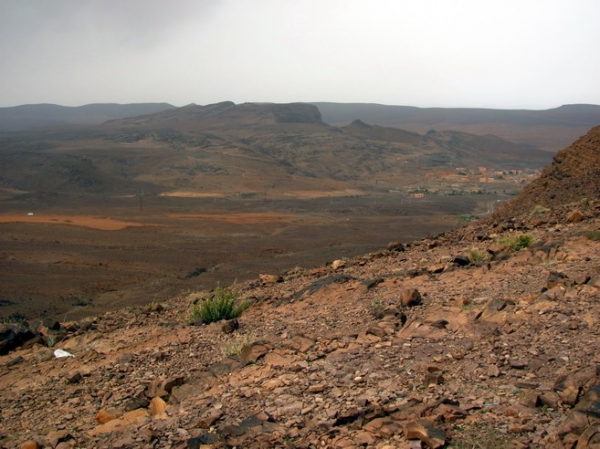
(476,256)
(223,304)
(518,242)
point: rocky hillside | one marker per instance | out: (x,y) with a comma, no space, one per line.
(573,175)
(249,148)
(483,337)
(459,340)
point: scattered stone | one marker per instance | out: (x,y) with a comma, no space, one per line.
(556,278)
(517,363)
(15,361)
(337,264)
(426,432)
(75,378)
(461,261)
(396,246)
(230,326)
(319,388)
(270,278)
(575,216)
(251,353)
(411,297)
(157,408)
(434,378)
(202,440)
(570,385)
(493,371)
(29,445)
(209,420)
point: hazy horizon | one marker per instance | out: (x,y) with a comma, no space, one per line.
(307,102)
(517,54)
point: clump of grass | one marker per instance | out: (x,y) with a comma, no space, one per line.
(223,304)
(539,210)
(236,343)
(483,436)
(476,256)
(518,242)
(467,218)
(51,341)
(593,235)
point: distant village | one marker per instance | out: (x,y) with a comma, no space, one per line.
(464,181)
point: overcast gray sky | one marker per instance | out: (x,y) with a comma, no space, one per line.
(533,54)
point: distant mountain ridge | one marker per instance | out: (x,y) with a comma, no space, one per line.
(30,116)
(551,129)
(227,113)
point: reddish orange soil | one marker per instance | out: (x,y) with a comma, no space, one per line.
(103,224)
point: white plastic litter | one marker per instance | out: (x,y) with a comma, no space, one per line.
(60,353)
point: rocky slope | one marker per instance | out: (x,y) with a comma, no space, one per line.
(573,175)
(408,347)
(483,337)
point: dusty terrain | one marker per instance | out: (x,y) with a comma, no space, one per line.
(493,354)
(462,339)
(67,261)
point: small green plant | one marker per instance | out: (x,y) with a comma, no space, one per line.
(593,235)
(223,304)
(51,341)
(378,310)
(539,210)
(518,242)
(234,345)
(476,256)
(467,218)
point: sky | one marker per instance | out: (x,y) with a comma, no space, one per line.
(507,54)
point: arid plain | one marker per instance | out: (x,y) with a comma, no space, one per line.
(82,256)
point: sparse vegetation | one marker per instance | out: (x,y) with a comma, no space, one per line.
(223,304)
(539,210)
(518,242)
(593,235)
(51,341)
(483,437)
(476,255)
(467,218)
(237,342)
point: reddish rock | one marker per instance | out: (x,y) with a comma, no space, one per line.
(411,297)
(157,408)
(426,432)
(104,416)
(575,216)
(29,445)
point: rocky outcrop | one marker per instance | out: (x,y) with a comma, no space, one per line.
(572,177)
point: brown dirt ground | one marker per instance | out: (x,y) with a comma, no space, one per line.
(82,256)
